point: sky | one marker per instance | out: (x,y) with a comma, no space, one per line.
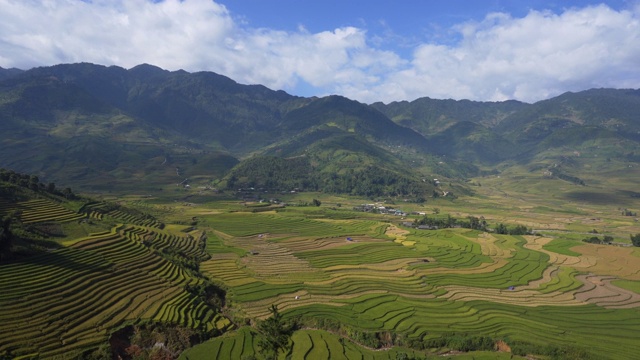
(366,50)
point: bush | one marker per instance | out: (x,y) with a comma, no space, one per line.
(635,239)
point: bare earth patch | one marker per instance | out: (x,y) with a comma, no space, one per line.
(600,291)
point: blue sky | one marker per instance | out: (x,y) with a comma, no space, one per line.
(365,50)
(398,25)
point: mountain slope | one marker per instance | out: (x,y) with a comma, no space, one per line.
(339,163)
(204,106)
(8,73)
(461,129)
(353,117)
(607,108)
(58,130)
(130,121)
(97,127)
(429,116)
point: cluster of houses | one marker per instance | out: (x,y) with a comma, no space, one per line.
(379,209)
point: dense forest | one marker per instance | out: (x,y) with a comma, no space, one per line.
(275,174)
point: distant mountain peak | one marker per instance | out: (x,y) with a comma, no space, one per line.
(147,70)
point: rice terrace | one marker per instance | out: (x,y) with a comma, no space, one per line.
(355,284)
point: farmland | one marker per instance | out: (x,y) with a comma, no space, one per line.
(63,301)
(369,273)
(357,285)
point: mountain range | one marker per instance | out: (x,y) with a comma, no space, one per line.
(108,128)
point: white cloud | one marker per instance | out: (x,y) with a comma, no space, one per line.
(529,58)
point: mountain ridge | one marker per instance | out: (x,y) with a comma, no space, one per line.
(135,118)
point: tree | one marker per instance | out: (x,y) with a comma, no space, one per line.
(276,332)
(68,193)
(635,239)
(6,238)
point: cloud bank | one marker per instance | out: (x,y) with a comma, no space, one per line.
(501,57)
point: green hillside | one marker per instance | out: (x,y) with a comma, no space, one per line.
(341,164)
(146,129)
(99,128)
(78,274)
(429,116)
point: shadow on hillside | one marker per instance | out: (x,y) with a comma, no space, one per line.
(70,259)
(616,198)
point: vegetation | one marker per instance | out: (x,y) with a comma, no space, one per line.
(516,230)
(596,240)
(224,222)
(276,334)
(113,276)
(635,239)
(337,273)
(32,182)
(472,222)
(152,340)
(276,175)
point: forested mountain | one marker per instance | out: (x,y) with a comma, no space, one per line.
(95,127)
(429,116)
(8,73)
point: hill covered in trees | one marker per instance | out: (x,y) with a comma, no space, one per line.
(103,128)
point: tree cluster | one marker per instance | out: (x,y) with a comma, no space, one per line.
(276,334)
(568,352)
(154,341)
(627,212)
(472,222)
(516,230)
(6,238)
(372,181)
(272,173)
(566,177)
(596,240)
(276,174)
(209,293)
(33,182)
(635,239)
(458,342)
(437,222)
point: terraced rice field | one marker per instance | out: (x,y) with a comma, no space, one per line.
(310,345)
(307,344)
(422,284)
(98,210)
(40,210)
(67,300)
(365,274)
